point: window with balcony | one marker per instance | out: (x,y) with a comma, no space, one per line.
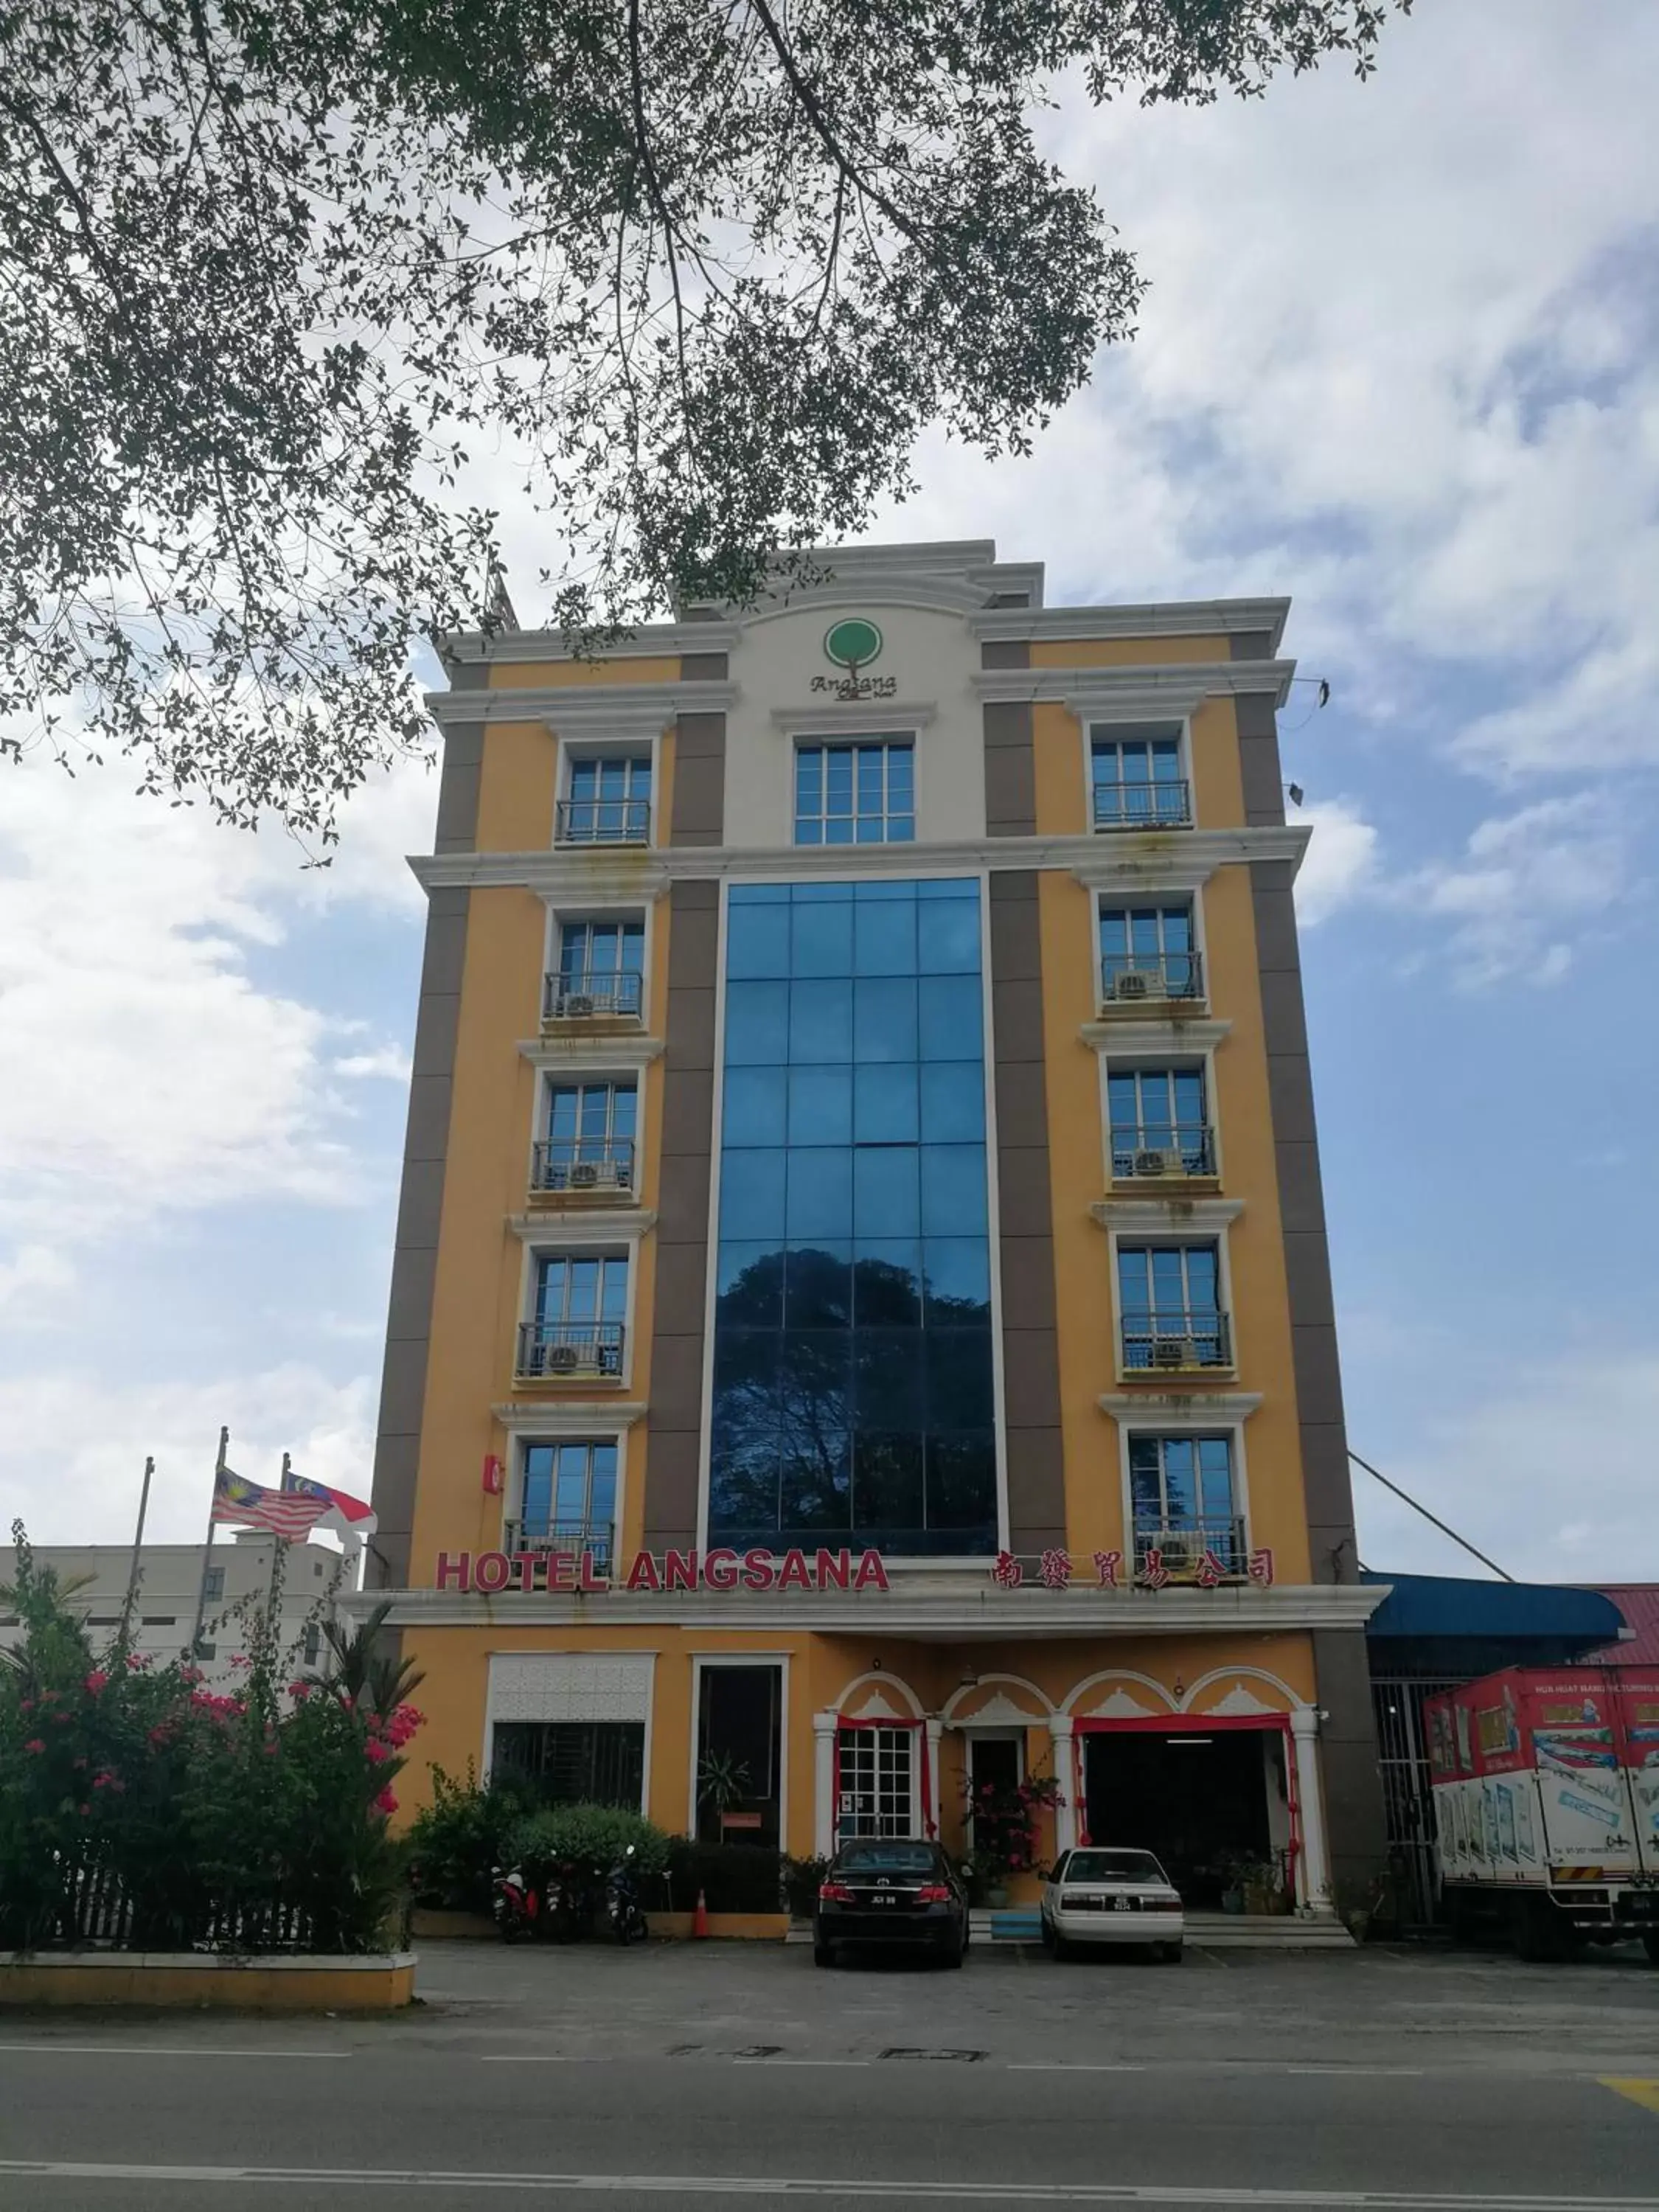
(609,802)
(1138,783)
(1159,1126)
(600,971)
(1148,952)
(567,1500)
(1169,1307)
(581,1305)
(1184,1503)
(858,794)
(589,1143)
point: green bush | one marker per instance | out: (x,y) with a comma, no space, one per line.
(140,1809)
(801,1878)
(590,1835)
(456,1842)
(733,1877)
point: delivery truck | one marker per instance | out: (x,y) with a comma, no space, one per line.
(1546,1786)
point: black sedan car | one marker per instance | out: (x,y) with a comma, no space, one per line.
(885,1890)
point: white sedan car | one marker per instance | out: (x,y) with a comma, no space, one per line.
(1100,1896)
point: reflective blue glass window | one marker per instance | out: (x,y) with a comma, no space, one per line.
(1137,779)
(853,1374)
(569,1488)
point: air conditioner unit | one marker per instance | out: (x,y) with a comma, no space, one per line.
(1173,1351)
(1134,984)
(584,1175)
(563,1359)
(577,1002)
(624,1174)
(1152,1162)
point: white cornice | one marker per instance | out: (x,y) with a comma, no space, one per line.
(1136,1216)
(1185,1409)
(834,715)
(568,1416)
(971,1609)
(585,710)
(582,1224)
(651,642)
(1155,859)
(1143,1036)
(1163,618)
(1174,689)
(622,1050)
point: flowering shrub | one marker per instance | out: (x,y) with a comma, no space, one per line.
(1007,1824)
(139,1807)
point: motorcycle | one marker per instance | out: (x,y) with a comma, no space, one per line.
(568,1908)
(517,1906)
(623,1912)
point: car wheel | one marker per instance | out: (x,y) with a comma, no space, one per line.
(1048,1935)
(1170,1955)
(1650,1945)
(823,1954)
(1059,1948)
(955,1955)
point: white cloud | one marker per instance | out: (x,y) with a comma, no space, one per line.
(1525,887)
(1553,1480)
(1340,864)
(30,1280)
(71,1480)
(142,1066)
(389,1061)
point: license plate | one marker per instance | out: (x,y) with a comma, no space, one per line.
(1120,1905)
(883,1900)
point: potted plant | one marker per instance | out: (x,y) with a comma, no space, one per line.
(722,1785)
(1005,1826)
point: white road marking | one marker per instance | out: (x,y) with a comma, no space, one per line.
(1066,2066)
(162,2050)
(747,2184)
(1363,2072)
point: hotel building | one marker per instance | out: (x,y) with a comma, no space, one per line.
(861,1314)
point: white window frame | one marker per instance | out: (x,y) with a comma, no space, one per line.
(1139,1056)
(1117,899)
(585,1076)
(1161,1424)
(1094,720)
(486,1748)
(578,1240)
(1173,1233)
(599,1431)
(564,913)
(603,749)
(851,740)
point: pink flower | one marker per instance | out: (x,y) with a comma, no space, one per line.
(85,1811)
(240,1659)
(375,1752)
(96,1681)
(34,1744)
(299,1692)
(386,1802)
(26,1705)
(136,1659)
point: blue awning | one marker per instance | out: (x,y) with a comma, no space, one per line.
(1448,1609)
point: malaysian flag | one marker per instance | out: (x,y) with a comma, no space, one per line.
(252,1506)
(348,1516)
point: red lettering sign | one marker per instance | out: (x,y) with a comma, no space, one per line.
(643,1575)
(720,1568)
(872,1570)
(679,1571)
(592,1581)
(491,1571)
(566,1573)
(794,1575)
(832,1569)
(455,1567)
(757,1570)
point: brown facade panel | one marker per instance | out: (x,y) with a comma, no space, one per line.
(1355,1830)
(684,1180)
(414,1260)
(1030,1349)
(458,789)
(698,815)
(703,667)
(1252,645)
(1009,760)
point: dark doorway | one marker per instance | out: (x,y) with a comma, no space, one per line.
(1198,1801)
(996,1760)
(737,1770)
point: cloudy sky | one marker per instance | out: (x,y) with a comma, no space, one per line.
(1400,360)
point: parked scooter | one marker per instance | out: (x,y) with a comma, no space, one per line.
(517,1906)
(623,1912)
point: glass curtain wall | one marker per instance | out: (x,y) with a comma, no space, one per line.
(854,1392)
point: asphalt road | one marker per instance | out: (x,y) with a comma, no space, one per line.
(726,2074)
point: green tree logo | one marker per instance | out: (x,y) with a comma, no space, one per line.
(852,645)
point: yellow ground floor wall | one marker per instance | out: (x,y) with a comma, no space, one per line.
(953,1683)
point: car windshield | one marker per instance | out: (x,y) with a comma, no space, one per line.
(889,1858)
(1113,1866)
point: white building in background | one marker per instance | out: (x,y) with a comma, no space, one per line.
(169,1577)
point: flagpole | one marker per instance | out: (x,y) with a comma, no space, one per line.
(275,1540)
(137,1543)
(207,1550)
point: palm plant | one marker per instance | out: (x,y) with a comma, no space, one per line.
(364,1670)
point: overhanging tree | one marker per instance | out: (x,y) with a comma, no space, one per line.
(274,271)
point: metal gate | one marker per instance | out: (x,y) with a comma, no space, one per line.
(1407,1796)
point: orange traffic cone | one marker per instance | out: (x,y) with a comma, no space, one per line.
(700,1917)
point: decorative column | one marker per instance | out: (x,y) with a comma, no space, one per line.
(823,1784)
(935,1729)
(1316,1862)
(1066,1812)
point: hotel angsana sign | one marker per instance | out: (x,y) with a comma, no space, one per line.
(715,1569)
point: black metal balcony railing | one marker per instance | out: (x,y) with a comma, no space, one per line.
(1182,1545)
(582,1163)
(553,1350)
(1173,1342)
(1136,978)
(1166,805)
(584,992)
(1170,1150)
(569,1538)
(603,821)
